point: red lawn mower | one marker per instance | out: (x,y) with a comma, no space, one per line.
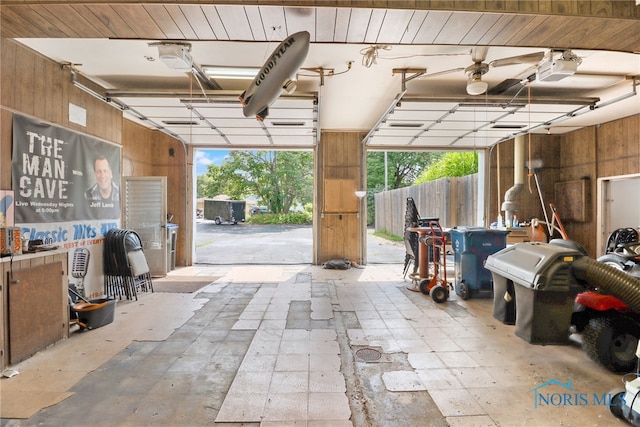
(610,327)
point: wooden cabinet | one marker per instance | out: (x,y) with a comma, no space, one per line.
(519,235)
(34,307)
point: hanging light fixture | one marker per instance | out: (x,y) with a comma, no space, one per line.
(475,85)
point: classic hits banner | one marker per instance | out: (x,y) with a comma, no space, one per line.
(60,176)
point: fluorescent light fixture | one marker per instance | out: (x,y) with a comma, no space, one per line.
(219,72)
(506,126)
(180,122)
(287,123)
(405,125)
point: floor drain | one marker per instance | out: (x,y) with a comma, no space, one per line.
(368,355)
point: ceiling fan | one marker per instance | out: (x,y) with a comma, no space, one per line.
(475,71)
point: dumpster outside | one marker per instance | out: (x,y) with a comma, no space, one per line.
(471,247)
(544,289)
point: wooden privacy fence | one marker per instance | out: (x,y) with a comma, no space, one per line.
(452,200)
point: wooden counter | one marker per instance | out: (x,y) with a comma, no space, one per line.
(34,306)
(518,235)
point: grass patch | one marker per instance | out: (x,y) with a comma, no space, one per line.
(383,234)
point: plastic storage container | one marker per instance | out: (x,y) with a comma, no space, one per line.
(96,313)
(472,246)
(544,289)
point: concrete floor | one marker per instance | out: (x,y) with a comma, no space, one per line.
(298,345)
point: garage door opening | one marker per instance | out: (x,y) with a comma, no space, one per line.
(393,176)
(268,219)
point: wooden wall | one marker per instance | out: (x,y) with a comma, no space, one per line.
(340,215)
(537,147)
(36,86)
(617,147)
(578,160)
(609,149)
(147,152)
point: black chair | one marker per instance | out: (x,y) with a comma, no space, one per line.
(620,237)
(411,219)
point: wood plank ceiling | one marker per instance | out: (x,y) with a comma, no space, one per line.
(614,26)
(421,117)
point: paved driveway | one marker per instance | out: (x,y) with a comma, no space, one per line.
(274,244)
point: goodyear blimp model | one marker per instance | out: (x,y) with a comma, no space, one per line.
(275,75)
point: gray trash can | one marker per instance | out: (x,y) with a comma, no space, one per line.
(544,289)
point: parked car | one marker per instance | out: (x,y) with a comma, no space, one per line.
(258,210)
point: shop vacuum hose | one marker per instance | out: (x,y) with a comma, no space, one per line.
(610,279)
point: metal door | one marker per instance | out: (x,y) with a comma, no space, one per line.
(145,212)
(618,206)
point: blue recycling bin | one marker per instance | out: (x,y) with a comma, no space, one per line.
(471,247)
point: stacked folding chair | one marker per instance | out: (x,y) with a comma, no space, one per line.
(126,271)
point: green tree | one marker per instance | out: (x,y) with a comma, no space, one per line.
(206,186)
(403,167)
(278,179)
(453,163)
